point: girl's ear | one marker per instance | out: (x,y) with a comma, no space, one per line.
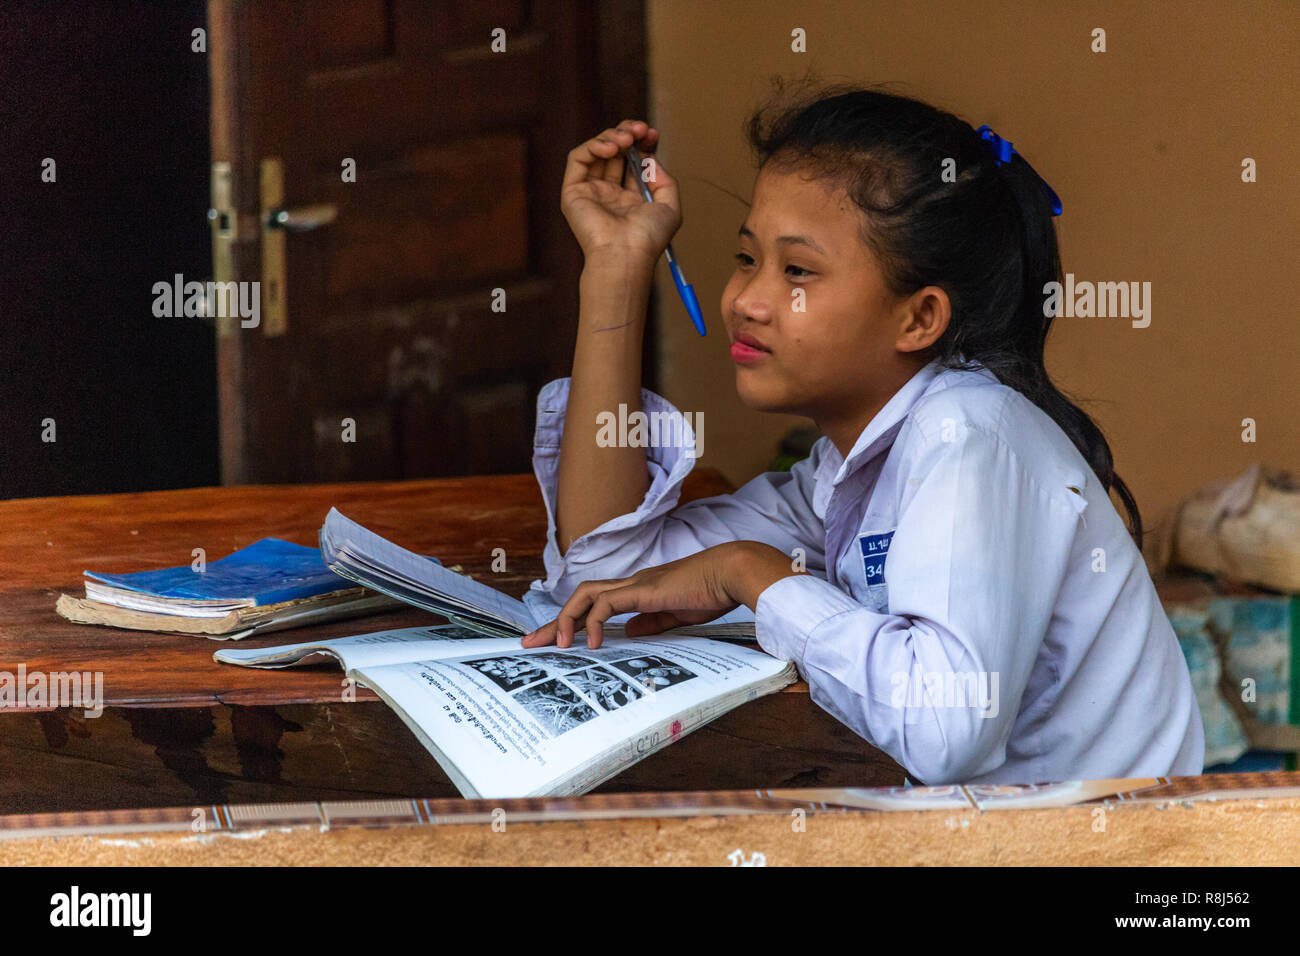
(922,319)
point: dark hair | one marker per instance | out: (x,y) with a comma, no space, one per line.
(987,239)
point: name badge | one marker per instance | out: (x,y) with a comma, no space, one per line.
(874,548)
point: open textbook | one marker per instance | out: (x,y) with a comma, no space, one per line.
(362,556)
(507,721)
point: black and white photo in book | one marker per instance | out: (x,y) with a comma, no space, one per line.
(509,673)
(555,705)
(562,662)
(611,691)
(655,673)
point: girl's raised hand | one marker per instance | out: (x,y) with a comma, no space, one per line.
(603,203)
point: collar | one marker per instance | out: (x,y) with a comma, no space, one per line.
(881,430)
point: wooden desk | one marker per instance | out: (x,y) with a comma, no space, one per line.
(179,729)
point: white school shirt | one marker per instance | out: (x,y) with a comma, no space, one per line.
(984,615)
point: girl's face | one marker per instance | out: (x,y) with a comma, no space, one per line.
(808,290)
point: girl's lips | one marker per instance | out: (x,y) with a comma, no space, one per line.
(747,354)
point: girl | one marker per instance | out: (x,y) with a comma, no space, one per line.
(946,568)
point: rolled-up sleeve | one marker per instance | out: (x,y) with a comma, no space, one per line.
(774,508)
(973,571)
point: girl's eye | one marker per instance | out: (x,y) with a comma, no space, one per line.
(746,260)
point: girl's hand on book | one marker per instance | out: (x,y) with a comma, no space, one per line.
(603,203)
(693,590)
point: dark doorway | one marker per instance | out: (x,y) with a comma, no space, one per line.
(113,93)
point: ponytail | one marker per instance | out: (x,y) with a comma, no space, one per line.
(1024,367)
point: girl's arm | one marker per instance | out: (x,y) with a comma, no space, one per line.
(622,237)
(596,484)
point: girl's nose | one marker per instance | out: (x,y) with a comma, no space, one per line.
(752,302)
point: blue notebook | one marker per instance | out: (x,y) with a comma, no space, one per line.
(268,572)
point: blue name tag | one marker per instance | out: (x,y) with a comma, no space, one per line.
(874,548)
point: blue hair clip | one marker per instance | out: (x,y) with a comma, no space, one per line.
(1003,150)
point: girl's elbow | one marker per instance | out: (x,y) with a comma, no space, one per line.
(953,751)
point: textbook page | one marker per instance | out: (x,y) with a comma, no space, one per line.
(379,564)
(371,650)
(528,722)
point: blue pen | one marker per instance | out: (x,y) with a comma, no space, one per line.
(685,291)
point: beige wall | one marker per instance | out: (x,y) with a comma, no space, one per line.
(1144,145)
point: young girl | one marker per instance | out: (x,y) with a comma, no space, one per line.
(946,568)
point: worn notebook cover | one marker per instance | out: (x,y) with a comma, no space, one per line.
(234,625)
(268,572)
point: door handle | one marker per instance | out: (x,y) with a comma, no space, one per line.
(277,222)
(303,219)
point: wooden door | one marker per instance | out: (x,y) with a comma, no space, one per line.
(423,167)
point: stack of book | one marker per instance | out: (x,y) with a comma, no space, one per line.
(267,586)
